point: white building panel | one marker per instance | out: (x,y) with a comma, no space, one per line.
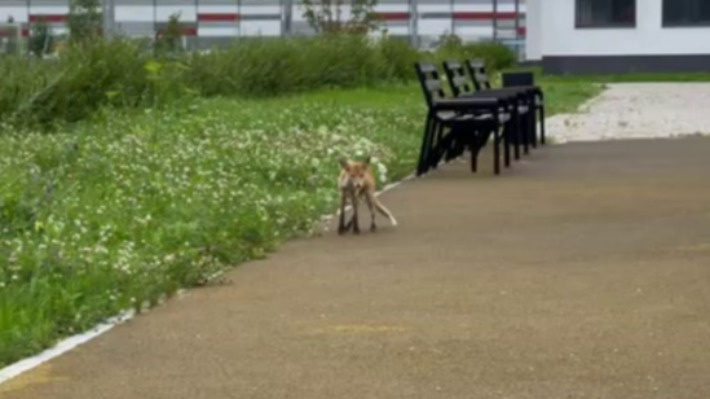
(649,37)
(473,6)
(17,12)
(134,13)
(474,32)
(218,31)
(434,27)
(185,8)
(261,28)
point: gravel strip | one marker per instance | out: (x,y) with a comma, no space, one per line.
(637,110)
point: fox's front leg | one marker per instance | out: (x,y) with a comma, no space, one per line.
(370,205)
(354,220)
(341,224)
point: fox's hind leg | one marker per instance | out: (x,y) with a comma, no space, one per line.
(342,228)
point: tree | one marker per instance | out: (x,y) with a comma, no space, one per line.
(169,39)
(85,20)
(325,16)
(41,38)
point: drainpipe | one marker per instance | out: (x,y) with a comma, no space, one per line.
(517,28)
(286,23)
(495,20)
(453,27)
(413,23)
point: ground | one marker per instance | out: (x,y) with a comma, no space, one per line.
(638,110)
(579,272)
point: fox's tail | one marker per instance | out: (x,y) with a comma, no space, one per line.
(385,212)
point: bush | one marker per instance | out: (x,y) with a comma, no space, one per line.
(125,73)
(72,87)
(399,57)
(497,56)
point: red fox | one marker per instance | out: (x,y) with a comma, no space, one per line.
(356,180)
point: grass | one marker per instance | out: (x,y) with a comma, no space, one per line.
(130,205)
(619,78)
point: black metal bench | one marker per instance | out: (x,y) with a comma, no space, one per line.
(519,101)
(454,124)
(481,81)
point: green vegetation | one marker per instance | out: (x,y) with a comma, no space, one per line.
(127,173)
(619,78)
(129,170)
(128,74)
(133,204)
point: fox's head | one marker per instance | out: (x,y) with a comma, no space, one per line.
(354,173)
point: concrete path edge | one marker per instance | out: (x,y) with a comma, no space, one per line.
(67,344)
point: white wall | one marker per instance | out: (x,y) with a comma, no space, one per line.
(560,38)
(533,26)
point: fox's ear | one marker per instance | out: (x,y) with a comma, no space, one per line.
(344,163)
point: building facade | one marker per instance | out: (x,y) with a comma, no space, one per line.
(617,36)
(210,22)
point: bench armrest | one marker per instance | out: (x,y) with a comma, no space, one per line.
(468,103)
(531,89)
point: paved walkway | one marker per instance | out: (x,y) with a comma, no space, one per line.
(637,110)
(582,272)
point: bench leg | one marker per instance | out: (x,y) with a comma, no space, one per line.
(542,124)
(434,155)
(519,129)
(496,150)
(533,129)
(426,148)
(507,133)
(526,134)
(474,147)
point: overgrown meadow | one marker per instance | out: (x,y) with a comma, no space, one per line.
(125,175)
(134,204)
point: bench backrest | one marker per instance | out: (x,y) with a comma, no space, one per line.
(430,82)
(477,69)
(456,74)
(522,78)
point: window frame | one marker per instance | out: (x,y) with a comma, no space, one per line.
(579,25)
(671,25)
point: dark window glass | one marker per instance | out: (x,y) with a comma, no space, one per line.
(606,13)
(686,12)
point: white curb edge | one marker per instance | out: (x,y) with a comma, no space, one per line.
(67,344)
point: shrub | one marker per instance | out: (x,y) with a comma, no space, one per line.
(126,73)
(71,88)
(399,57)
(496,55)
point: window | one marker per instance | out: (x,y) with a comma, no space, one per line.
(686,12)
(607,13)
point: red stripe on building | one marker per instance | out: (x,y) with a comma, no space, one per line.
(522,31)
(486,15)
(393,16)
(49,18)
(218,17)
(25,32)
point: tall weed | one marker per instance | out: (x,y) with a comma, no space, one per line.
(126,73)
